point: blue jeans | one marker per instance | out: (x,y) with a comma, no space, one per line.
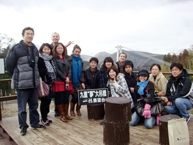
(148,122)
(180,106)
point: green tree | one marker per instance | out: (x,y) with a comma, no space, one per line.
(174,58)
(169,57)
(180,57)
(185,58)
(4,52)
(165,58)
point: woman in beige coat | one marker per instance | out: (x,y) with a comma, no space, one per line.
(158,79)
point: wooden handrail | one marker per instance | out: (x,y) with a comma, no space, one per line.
(7,98)
(5,80)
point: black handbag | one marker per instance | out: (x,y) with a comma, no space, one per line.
(140,107)
(156,106)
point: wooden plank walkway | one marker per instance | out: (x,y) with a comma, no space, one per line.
(79,131)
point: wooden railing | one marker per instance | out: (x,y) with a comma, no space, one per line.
(14,97)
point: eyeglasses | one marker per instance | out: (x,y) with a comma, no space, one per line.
(28,34)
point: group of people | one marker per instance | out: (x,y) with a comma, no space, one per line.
(61,71)
(26,64)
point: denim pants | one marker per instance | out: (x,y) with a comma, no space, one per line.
(148,122)
(29,96)
(180,106)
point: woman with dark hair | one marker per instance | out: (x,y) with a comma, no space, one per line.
(103,75)
(130,77)
(158,79)
(47,73)
(78,80)
(178,91)
(143,90)
(63,76)
(118,84)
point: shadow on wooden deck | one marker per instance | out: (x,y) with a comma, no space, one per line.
(79,131)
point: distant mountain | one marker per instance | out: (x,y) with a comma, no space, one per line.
(86,57)
(101,56)
(141,59)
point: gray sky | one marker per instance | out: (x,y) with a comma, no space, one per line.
(157,26)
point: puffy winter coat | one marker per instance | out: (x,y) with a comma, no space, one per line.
(22,65)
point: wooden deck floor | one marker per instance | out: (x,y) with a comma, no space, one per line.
(79,131)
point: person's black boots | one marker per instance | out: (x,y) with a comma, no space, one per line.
(57,113)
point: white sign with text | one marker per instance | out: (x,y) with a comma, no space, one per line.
(2,70)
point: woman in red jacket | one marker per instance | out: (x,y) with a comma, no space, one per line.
(63,76)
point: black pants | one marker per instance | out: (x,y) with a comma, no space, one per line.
(62,97)
(45,108)
(55,100)
(75,97)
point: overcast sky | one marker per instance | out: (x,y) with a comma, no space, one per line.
(157,26)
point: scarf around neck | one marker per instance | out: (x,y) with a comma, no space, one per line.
(142,86)
(76,70)
(49,64)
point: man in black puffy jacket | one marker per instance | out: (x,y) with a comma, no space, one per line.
(21,63)
(178,87)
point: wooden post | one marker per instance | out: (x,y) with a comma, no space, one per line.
(96,111)
(163,128)
(116,123)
